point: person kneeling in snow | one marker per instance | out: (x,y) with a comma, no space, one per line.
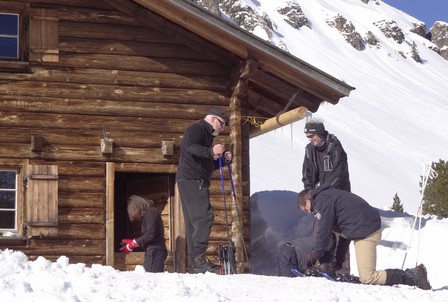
(357,221)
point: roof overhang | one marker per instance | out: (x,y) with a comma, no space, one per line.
(277,75)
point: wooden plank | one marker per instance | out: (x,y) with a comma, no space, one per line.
(129,48)
(64,153)
(97,123)
(76,199)
(44,35)
(44,177)
(82,183)
(81,215)
(61,3)
(79,168)
(42,200)
(110,212)
(84,230)
(67,247)
(93,92)
(75,137)
(94,15)
(117,32)
(136,63)
(144,167)
(178,235)
(124,78)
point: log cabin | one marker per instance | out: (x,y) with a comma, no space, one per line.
(94,98)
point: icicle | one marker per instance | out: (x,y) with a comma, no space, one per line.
(292,134)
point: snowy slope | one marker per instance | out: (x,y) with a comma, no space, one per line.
(393,122)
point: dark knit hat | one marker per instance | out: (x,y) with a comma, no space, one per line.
(315,128)
(220,113)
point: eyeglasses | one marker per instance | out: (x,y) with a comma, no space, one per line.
(221,122)
(310,136)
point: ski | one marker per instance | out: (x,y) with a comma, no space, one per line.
(328,276)
(226,258)
(313,274)
(297,272)
(339,277)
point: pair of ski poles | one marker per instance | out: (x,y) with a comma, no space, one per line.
(229,270)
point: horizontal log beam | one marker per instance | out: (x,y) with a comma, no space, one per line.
(280,121)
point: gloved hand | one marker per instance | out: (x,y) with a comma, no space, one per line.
(128,245)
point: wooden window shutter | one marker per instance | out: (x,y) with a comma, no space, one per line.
(44,35)
(42,200)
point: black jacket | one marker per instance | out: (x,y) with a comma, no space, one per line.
(196,154)
(152,229)
(326,165)
(344,212)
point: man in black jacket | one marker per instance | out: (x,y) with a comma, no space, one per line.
(196,165)
(325,160)
(356,220)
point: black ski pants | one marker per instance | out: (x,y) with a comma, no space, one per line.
(155,259)
(198,215)
(287,260)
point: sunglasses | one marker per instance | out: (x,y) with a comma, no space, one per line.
(221,122)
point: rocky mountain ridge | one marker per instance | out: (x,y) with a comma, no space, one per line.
(245,16)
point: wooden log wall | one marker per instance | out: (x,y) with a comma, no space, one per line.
(115,75)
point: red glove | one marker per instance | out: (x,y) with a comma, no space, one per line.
(128,245)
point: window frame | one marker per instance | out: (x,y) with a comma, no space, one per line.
(20,64)
(17,36)
(18,231)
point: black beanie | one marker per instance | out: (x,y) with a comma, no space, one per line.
(220,113)
(315,128)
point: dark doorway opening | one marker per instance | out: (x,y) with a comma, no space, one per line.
(156,186)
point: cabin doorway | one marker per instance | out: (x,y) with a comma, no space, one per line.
(156,186)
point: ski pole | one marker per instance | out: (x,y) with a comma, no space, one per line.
(427,171)
(230,252)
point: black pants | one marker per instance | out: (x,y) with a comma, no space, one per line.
(198,215)
(287,260)
(155,259)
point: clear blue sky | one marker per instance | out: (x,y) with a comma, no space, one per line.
(428,11)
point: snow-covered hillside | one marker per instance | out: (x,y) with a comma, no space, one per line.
(395,120)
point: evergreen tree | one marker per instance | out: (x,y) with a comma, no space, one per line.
(436,191)
(397,206)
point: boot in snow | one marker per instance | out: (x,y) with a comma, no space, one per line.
(202,264)
(412,276)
